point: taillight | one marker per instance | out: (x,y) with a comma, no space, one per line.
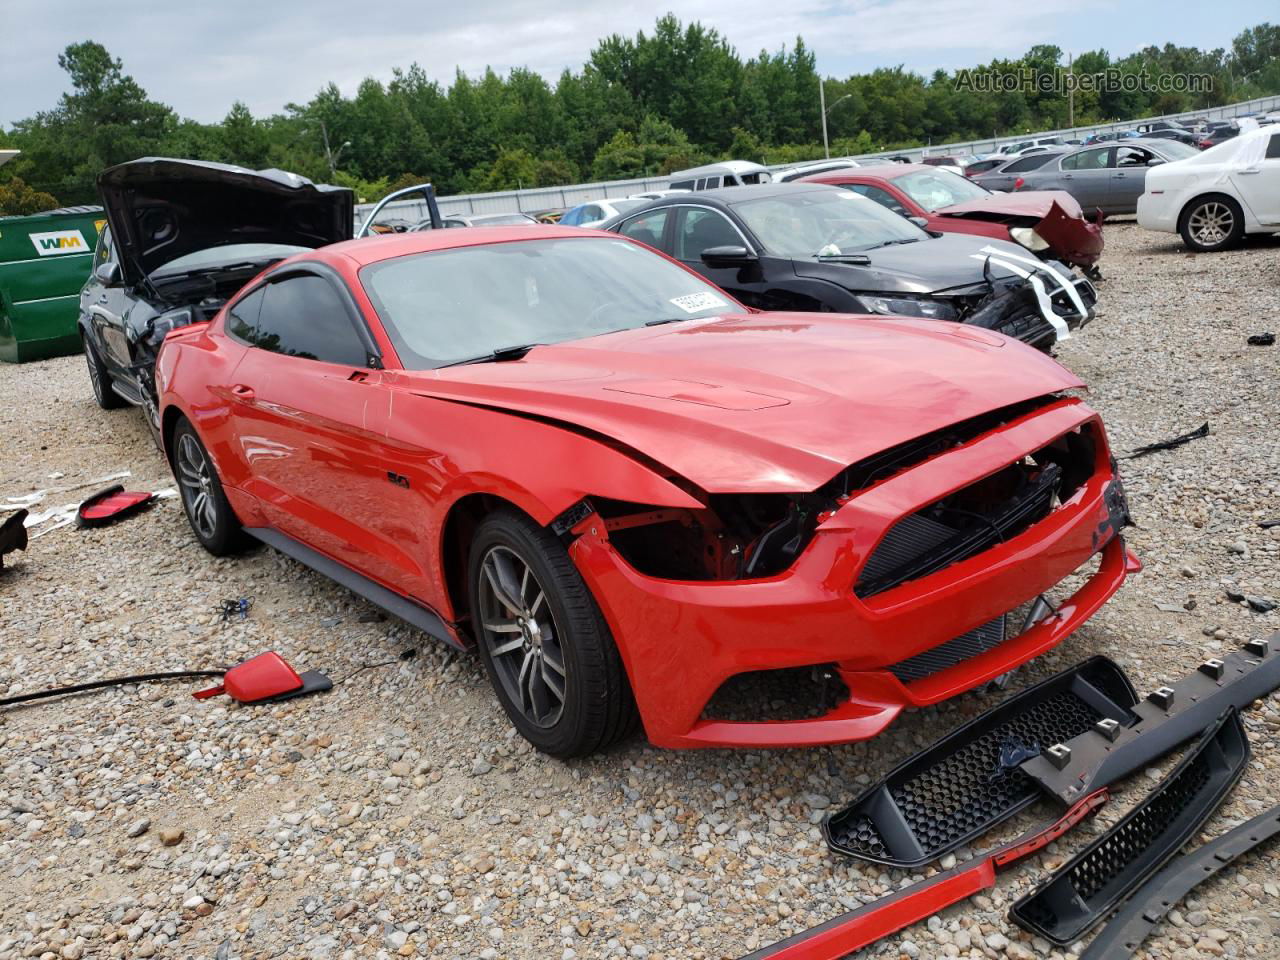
(1018,184)
(1206,144)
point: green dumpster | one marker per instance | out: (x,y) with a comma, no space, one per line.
(44,261)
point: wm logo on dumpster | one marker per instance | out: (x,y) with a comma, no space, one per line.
(59,243)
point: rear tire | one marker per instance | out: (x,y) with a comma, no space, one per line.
(1211,223)
(544,643)
(212,520)
(100,379)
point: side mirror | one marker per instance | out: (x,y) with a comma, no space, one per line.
(920,222)
(1154,162)
(108,274)
(727,257)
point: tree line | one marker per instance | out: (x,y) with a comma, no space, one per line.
(640,106)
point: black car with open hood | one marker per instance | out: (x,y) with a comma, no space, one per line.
(182,236)
(803,246)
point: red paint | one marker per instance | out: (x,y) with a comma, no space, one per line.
(259,678)
(862,927)
(1055,214)
(309,453)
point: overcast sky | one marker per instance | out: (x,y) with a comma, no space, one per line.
(270,52)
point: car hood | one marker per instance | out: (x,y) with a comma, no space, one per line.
(758,403)
(161,209)
(1030,203)
(948,262)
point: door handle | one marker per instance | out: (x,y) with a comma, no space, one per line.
(1250,170)
(243,391)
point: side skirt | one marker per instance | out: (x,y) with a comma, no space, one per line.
(410,611)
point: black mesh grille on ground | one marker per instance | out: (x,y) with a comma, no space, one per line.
(969,781)
(797,693)
(964,647)
(961,793)
(1074,899)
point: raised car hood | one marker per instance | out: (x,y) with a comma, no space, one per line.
(1032,203)
(945,262)
(161,209)
(1055,214)
(759,403)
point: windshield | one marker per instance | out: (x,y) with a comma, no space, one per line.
(826,222)
(1175,150)
(622,206)
(226,255)
(450,306)
(933,189)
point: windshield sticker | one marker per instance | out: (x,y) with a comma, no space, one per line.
(697,302)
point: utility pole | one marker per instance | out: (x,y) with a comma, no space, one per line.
(1071,92)
(329,155)
(822,102)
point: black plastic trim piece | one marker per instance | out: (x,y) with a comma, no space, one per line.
(1178,713)
(1143,913)
(413,613)
(1103,874)
(973,772)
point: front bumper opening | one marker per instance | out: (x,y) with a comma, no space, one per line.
(979,516)
(773,696)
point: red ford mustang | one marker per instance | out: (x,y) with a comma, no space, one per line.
(637,498)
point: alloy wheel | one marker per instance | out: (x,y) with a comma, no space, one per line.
(521,636)
(195,479)
(1211,223)
(94,379)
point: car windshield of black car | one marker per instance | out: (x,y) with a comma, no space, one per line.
(449,306)
(826,223)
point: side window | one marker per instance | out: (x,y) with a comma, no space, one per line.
(682,185)
(302,316)
(712,183)
(591,213)
(1023,164)
(647,228)
(242,318)
(1086,160)
(570,219)
(1132,157)
(880,196)
(698,229)
(1273,147)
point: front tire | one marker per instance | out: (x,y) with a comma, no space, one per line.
(212,520)
(543,640)
(1210,224)
(100,379)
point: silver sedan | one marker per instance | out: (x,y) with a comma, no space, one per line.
(1110,176)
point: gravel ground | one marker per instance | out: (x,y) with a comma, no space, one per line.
(399,815)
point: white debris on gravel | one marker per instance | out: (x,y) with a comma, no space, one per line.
(399,815)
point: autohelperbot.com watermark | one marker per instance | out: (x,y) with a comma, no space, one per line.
(1062,81)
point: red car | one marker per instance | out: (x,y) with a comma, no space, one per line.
(1050,223)
(628,491)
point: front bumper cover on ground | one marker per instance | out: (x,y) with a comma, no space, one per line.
(1144,911)
(970,781)
(1071,902)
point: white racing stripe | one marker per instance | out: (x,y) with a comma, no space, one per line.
(1046,305)
(1068,282)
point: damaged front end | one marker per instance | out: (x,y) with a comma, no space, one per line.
(866,595)
(1038,305)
